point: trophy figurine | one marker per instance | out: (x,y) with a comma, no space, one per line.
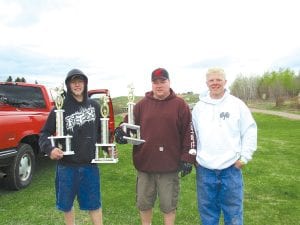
(130,127)
(102,155)
(59,135)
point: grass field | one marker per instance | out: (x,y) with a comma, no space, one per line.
(272,186)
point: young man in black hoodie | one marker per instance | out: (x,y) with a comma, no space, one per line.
(75,175)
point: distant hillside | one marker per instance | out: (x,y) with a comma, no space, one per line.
(120,103)
(190,97)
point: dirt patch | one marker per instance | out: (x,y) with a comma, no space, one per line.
(277,113)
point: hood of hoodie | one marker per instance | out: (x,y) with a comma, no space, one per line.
(70,75)
(205,97)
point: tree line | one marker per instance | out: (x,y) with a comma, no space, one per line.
(18,79)
(276,86)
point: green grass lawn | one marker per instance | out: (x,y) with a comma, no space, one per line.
(272,186)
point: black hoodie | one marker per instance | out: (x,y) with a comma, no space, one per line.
(81,121)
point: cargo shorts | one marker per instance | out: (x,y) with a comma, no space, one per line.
(149,186)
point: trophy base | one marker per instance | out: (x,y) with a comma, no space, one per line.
(133,141)
(131,126)
(69,153)
(105,160)
(67,138)
(60,137)
(108,145)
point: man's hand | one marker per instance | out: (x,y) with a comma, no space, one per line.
(115,155)
(119,133)
(56,154)
(185,168)
(239,164)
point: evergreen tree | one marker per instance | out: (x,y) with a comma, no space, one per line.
(9,79)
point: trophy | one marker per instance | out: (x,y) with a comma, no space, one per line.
(59,135)
(133,130)
(192,150)
(101,155)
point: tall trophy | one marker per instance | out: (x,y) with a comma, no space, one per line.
(60,139)
(130,127)
(106,155)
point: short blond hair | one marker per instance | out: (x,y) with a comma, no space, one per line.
(216,70)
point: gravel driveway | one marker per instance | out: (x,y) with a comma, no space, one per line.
(277,113)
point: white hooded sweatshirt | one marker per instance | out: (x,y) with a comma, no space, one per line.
(225,131)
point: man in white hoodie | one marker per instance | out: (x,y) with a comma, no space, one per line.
(226,140)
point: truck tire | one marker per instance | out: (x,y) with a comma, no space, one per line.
(19,174)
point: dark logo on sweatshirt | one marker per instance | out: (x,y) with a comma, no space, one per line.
(224,115)
(80,117)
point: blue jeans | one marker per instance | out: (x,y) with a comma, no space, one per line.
(220,190)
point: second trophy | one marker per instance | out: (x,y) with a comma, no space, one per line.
(130,128)
(105,151)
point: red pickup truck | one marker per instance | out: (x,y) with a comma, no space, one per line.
(24,109)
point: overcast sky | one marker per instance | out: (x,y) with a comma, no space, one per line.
(119,42)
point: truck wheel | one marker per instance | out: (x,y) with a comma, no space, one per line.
(19,174)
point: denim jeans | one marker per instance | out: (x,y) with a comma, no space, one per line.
(80,181)
(220,191)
